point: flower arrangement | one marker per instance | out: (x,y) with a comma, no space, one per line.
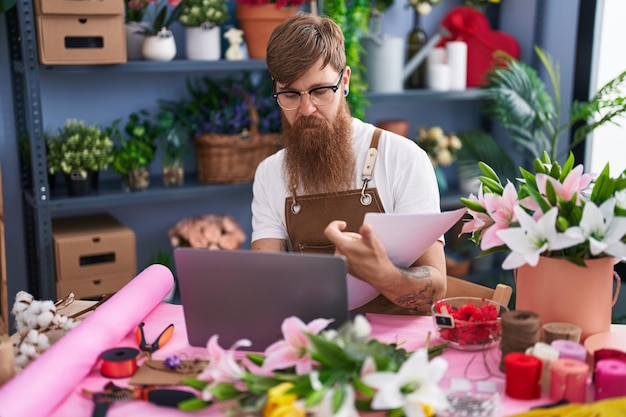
(279,3)
(313,371)
(557,211)
(158,14)
(78,148)
(441,148)
(203,13)
(423,6)
(224,107)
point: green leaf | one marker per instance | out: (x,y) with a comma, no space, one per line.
(339,396)
(493,186)
(193,404)
(194,383)
(330,355)
(473,205)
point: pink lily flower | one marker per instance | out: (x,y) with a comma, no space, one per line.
(293,349)
(479,220)
(573,184)
(222,366)
(501,210)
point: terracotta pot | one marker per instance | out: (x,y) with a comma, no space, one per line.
(560,291)
(258,22)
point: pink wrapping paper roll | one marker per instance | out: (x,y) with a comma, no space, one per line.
(569,380)
(47,381)
(610,379)
(570,350)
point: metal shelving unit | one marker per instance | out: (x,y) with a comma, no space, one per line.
(41,205)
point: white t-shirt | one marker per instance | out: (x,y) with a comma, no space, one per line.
(403,176)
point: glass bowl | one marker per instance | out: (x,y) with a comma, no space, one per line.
(468,323)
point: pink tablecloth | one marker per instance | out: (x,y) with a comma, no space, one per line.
(409,330)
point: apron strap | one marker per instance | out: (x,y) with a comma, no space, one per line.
(368,167)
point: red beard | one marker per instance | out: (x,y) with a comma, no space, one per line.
(318,153)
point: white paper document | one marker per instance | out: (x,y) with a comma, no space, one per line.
(405,237)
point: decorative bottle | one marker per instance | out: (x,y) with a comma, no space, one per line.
(415,42)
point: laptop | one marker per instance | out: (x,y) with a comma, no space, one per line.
(247,294)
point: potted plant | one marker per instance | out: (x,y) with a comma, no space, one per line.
(174,144)
(79,151)
(258,18)
(202,20)
(563,229)
(234,124)
(134,150)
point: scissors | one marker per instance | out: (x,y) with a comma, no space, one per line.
(148,348)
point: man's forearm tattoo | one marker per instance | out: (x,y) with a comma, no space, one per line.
(422,300)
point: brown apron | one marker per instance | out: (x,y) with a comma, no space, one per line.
(307,217)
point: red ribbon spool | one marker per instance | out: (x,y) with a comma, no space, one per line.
(119,362)
(523,374)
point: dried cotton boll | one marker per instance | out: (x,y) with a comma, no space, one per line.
(22,301)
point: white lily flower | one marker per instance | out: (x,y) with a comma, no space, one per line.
(603,230)
(361,327)
(325,407)
(533,238)
(415,384)
(620,199)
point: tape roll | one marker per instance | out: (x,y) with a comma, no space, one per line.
(119,362)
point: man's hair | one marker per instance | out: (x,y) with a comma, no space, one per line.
(300,42)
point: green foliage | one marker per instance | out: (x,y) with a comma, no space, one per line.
(196,13)
(481,146)
(76,147)
(135,143)
(519,100)
(174,135)
(352,18)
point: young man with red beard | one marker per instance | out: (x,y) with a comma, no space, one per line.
(312,195)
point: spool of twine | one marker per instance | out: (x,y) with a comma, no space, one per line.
(557,331)
(520,330)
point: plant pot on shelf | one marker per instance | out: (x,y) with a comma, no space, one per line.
(134,40)
(203,43)
(174,174)
(136,180)
(160,47)
(77,183)
(258,22)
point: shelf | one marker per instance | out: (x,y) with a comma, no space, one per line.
(177,65)
(427,94)
(110,195)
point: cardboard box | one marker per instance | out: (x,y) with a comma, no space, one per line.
(94,287)
(80,40)
(96,250)
(80,7)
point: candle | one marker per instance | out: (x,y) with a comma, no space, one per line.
(569,380)
(522,376)
(457,60)
(570,350)
(610,377)
(439,77)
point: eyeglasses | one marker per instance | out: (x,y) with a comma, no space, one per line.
(320,96)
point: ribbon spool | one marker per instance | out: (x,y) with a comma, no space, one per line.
(569,380)
(119,362)
(556,331)
(610,378)
(520,330)
(570,350)
(523,374)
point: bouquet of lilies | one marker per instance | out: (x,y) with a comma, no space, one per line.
(558,211)
(322,372)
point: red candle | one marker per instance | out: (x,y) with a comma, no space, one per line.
(522,373)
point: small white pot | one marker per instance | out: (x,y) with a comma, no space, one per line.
(134,40)
(203,43)
(161,47)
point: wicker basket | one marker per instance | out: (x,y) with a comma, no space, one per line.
(234,158)
(231,158)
